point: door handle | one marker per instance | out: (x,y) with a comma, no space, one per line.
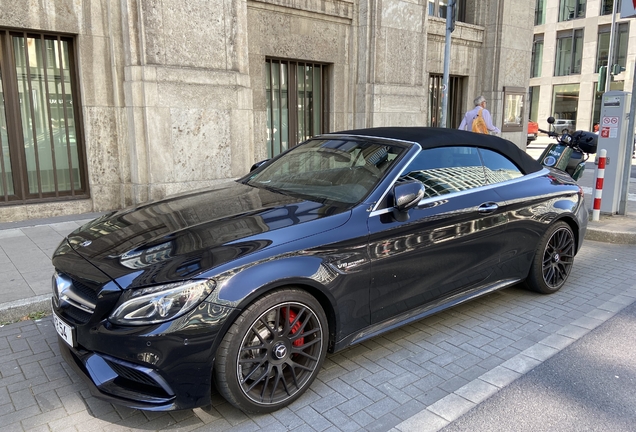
(487,207)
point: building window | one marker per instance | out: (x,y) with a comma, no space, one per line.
(539,12)
(41,156)
(571,9)
(533,101)
(455,97)
(438,8)
(568,52)
(565,102)
(514,98)
(296,102)
(607,7)
(620,45)
(537,56)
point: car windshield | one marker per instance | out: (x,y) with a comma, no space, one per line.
(328,170)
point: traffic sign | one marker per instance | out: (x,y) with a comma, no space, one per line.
(610,121)
(605,132)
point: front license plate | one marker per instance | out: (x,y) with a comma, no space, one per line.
(65,331)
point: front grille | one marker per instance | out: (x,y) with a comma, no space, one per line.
(76,300)
(77,315)
(85,291)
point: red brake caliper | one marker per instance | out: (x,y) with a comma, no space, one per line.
(292,316)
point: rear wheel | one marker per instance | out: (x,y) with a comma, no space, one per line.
(273,351)
(553,259)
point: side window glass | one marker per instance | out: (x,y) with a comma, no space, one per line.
(498,168)
(446,170)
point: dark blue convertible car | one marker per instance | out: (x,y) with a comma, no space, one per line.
(246,286)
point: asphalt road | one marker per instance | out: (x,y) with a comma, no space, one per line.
(589,386)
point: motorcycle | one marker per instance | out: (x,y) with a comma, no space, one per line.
(570,152)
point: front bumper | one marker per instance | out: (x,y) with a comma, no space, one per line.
(157,368)
(107,384)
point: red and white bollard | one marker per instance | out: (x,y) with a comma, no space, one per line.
(598,190)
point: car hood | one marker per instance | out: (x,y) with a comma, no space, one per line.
(180,237)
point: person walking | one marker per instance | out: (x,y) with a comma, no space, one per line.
(478,119)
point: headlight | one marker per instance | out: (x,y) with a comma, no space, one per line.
(161,303)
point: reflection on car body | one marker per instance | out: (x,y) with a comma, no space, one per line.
(247,285)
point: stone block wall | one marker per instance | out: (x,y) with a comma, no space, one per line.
(173,91)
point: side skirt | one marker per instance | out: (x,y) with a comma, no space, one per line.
(422,312)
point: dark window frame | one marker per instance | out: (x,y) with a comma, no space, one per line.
(575,36)
(622,28)
(539,12)
(569,11)
(537,63)
(534,93)
(15,122)
(278,99)
(455,98)
(607,7)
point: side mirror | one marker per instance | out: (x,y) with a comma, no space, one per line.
(551,120)
(258,164)
(406,195)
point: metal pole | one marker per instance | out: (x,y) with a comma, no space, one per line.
(447,54)
(598,185)
(610,54)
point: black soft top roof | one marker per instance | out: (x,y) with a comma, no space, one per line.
(429,137)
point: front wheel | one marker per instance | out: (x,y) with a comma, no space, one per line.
(553,259)
(273,351)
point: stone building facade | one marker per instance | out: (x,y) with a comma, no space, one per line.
(134,100)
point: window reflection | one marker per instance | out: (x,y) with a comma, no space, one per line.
(6,181)
(295,99)
(572,9)
(569,52)
(620,46)
(446,170)
(498,168)
(537,56)
(333,170)
(513,108)
(46,110)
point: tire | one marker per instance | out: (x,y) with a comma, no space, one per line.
(553,259)
(272,352)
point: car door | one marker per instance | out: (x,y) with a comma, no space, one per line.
(527,200)
(449,243)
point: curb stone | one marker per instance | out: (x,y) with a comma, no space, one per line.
(13,311)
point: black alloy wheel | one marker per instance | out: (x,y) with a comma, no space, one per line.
(553,260)
(273,352)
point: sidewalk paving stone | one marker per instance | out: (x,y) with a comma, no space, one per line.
(443,364)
